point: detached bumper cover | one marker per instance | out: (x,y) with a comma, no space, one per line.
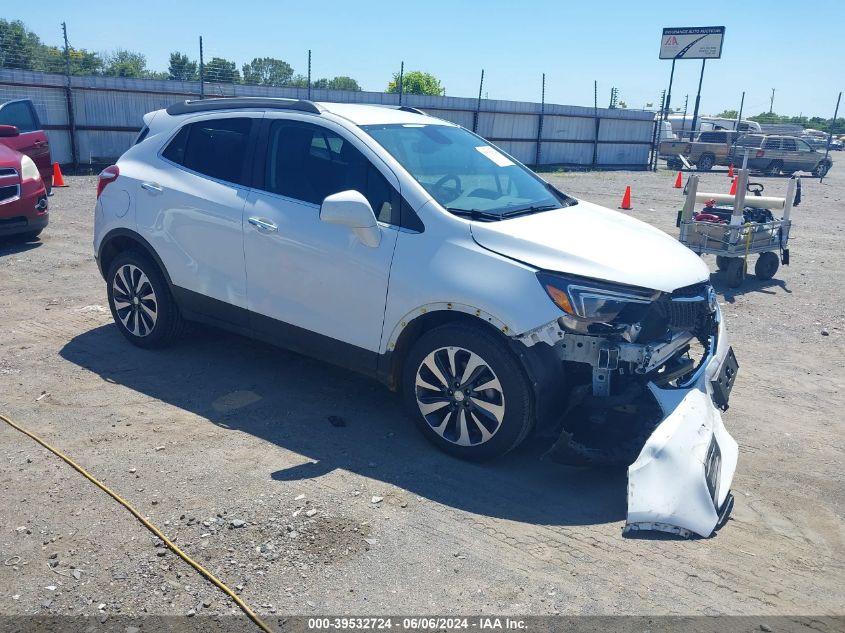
(680,482)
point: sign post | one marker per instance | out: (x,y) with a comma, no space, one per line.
(702,42)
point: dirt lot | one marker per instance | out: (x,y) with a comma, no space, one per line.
(222,429)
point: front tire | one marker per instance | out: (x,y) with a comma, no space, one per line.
(141,304)
(467,392)
(705,162)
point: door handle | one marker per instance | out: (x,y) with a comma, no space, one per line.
(152,187)
(263,225)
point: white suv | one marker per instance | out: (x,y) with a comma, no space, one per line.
(408,248)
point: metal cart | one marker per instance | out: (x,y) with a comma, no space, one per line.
(733,241)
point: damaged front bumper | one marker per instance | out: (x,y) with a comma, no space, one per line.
(681,480)
(681,458)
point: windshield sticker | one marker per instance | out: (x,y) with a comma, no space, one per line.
(497,157)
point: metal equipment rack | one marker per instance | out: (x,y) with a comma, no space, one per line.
(732,243)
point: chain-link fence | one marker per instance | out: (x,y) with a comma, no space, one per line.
(91,103)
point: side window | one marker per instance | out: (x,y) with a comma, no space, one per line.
(20,115)
(788,144)
(771,144)
(308,162)
(802,146)
(216,148)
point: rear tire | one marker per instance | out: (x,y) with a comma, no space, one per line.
(722,262)
(141,304)
(441,380)
(767,265)
(734,272)
(774,168)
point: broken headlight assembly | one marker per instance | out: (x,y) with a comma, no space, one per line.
(591,306)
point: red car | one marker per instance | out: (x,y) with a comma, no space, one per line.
(30,138)
(23,197)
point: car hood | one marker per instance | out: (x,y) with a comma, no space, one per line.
(592,241)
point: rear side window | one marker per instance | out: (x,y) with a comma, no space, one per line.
(771,143)
(308,163)
(749,141)
(20,115)
(712,137)
(215,148)
(789,144)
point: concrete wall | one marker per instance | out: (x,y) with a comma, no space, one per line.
(108,113)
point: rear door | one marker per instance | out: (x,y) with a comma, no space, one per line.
(313,285)
(190,202)
(790,157)
(32,140)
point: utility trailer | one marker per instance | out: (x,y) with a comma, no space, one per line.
(734,227)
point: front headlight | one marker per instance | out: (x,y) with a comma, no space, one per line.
(28,169)
(590,300)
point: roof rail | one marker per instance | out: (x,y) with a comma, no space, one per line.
(403,108)
(236,103)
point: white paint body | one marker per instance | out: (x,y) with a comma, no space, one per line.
(362,283)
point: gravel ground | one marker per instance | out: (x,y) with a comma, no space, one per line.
(226,445)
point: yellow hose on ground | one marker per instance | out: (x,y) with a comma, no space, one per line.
(152,528)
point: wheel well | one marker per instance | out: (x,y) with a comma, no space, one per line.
(121,242)
(419,326)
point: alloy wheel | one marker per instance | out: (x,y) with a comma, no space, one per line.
(460,396)
(134,300)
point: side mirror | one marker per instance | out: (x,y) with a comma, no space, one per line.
(8,130)
(350,208)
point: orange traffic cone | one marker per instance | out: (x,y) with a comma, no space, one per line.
(678,182)
(733,187)
(731,171)
(58,180)
(626,199)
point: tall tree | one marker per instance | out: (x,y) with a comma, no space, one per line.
(124,63)
(298,81)
(416,82)
(220,70)
(19,47)
(181,68)
(267,71)
(341,82)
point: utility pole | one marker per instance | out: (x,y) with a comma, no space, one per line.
(540,121)
(772,102)
(739,114)
(697,101)
(401,78)
(69,98)
(309,74)
(478,104)
(830,132)
(202,72)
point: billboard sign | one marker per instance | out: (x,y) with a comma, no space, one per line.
(703,42)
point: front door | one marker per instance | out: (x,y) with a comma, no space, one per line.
(313,286)
(806,157)
(32,140)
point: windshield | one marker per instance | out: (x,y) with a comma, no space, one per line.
(464,173)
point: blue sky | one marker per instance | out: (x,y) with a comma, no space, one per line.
(771,44)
